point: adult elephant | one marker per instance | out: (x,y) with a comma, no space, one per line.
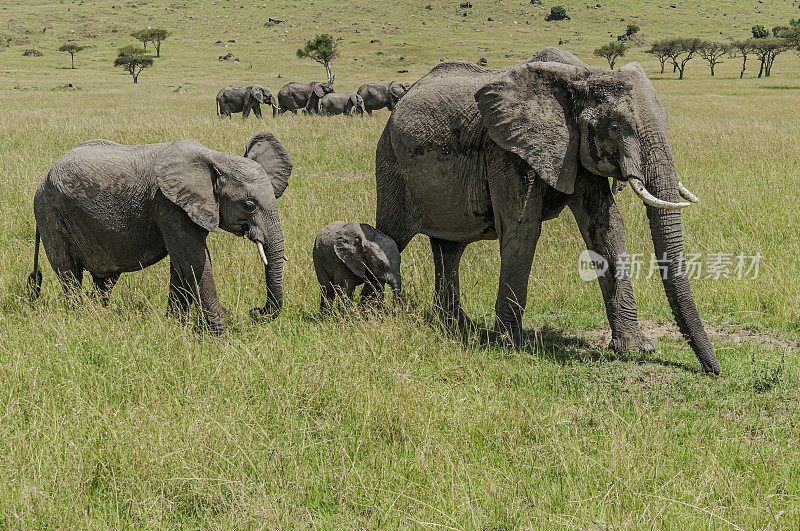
(341,103)
(294,96)
(233,99)
(110,209)
(472,154)
(382,95)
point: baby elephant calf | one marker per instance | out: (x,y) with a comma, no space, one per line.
(347,255)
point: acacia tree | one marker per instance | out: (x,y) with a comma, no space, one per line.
(72,49)
(683,50)
(611,52)
(659,50)
(767,50)
(142,36)
(712,52)
(673,48)
(791,34)
(321,49)
(157,36)
(741,49)
(133,60)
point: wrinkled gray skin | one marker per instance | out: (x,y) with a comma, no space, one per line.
(341,103)
(294,96)
(382,95)
(109,209)
(473,154)
(233,99)
(347,255)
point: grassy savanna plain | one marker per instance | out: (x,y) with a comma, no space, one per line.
(121,417)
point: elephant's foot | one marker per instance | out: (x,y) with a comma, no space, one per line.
(263,314)
(631,341)
(509,334)
(456,317)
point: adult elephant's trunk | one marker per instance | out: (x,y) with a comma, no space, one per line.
(271,252)
(661,180)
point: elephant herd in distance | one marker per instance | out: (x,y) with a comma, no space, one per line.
(467,154)
(314,97)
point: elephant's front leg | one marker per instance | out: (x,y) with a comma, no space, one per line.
(186,245)
(517,247)
(600,223)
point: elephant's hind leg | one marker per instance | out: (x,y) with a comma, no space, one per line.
(600,223)
(447,295)
(103,287)
(67,267)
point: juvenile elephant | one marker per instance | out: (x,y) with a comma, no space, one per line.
(347,255)
(473,154)
(294,96)
(110,209)
(234,99)
(379,95)
(341,103)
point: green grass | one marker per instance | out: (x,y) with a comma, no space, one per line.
(122,417)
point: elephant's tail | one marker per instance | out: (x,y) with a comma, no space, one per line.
(35,278)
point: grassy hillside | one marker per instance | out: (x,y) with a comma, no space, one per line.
(120,416)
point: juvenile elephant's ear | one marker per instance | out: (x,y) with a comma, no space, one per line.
(267,150)
(257,93)
(349,248)
(530,110)
(319,90)
(186,173)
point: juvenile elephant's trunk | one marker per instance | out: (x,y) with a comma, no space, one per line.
(397,289)
(667,233)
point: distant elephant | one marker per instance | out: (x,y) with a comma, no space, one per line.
(341,103)
(347,255)
(110,209)
(474,154)
(294,96)
(379,95)
(234,99)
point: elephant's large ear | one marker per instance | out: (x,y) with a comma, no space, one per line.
(319,90)
(349,248)
(186,175)
(267,150)
(257,93)
(529,110)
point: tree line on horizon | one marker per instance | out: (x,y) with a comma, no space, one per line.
(764,45)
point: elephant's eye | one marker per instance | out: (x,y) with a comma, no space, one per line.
(249,206)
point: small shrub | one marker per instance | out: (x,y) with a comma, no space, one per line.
(759,32)
(632,29)
(558,13)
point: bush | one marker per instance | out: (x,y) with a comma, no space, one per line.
(632,29)
(557,13)
(760,32)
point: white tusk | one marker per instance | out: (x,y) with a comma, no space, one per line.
(650,199)
(686,194)
(261,253)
